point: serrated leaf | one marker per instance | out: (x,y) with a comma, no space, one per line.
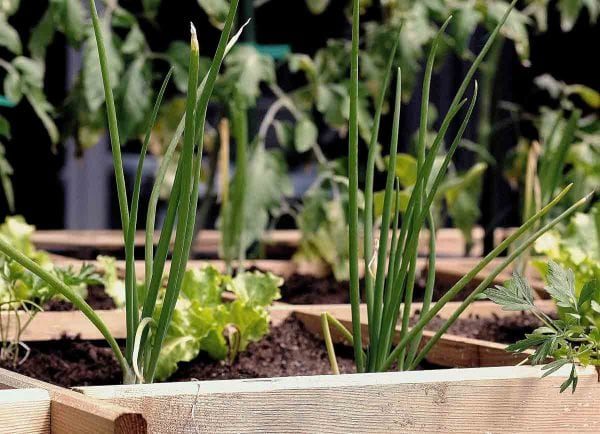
(93,89)
(554,366)
(44,110)
(73,21)
(530,341)
(561,285)
(517,295)
(178,54)
(246,69)
(216,11)
(12,86)
(284,130)
(256,288)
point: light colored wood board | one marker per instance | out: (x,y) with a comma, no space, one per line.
(283,268)
(450,241)
(450,270)
(48,326)
(481,400)
(72,412)
(24,411)
(112,240)
(450,350)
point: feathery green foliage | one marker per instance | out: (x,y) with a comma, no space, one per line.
(572,339)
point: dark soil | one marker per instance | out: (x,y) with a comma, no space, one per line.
(288,350)
(308,289)
(97,299)
(70,363)
(504,330)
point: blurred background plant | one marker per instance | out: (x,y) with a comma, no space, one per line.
(292,88)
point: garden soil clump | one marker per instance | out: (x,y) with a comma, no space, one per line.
(288,350)
(97,298)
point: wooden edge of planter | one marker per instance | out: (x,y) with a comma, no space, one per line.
(450,351)
(71,412)
(25,411)
(511,399)
(449,240)
(281,267)
(451,270)
(48,326)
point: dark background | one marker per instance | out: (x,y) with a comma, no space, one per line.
(571,57)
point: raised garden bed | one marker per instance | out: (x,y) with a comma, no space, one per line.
(458,398)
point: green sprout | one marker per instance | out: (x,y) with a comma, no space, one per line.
(390,279)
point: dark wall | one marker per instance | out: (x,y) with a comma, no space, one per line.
(38,188)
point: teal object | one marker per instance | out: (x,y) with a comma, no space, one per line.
(276,51)
(5,102)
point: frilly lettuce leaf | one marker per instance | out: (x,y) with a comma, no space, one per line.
(201,317)
(256,288)
(113,286)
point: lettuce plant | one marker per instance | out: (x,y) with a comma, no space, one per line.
(390,278)
(572,339)
(145,335)
(202,321)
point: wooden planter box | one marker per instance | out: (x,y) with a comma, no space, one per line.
(86,243)
(32,406)
(479,399)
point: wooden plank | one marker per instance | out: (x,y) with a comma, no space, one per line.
(450,270)
(283,268)
(72,412)
(506,399)
(450,350)
(450,241)
(25,411)
(48,326)
(112,240)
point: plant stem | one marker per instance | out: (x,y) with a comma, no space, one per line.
(353,191)
(329,345)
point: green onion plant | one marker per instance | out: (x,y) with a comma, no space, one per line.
(144,336)
(390,277)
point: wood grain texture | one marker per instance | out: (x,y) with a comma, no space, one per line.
(72,412)
(24,411)
(481,400)
(283,268)
(451,270)
(450,351)
(450,241)
(48,326)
